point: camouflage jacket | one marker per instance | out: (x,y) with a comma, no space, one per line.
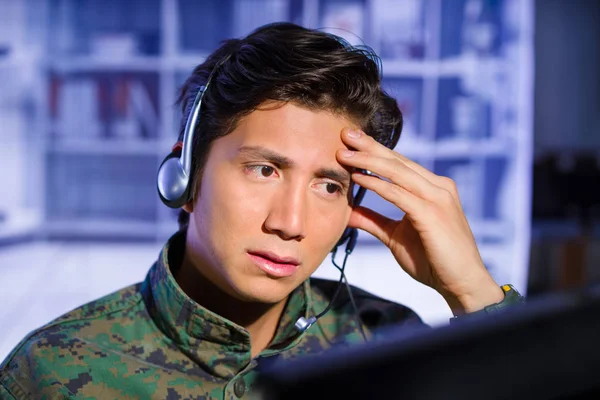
(150,340)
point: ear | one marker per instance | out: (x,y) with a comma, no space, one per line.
(188,207)
(195,193)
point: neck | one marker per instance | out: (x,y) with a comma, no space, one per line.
(259,319)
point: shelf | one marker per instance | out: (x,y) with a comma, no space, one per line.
(188,61)
(19,223)
(109,147)
(69,64)
(86,227)
(458,148)
(432,68)
(16,61)
(7,63)
(490,229)
(108,228)
(392,68)
(455,148)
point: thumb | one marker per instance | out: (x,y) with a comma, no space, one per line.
(371,221)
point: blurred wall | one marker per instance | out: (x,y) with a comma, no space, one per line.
(566,192)
(567,79)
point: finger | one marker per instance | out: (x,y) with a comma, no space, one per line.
(359,140)
(363,142)
(430,176)
(394,170)
(438,180)
(400,197)
(372,222)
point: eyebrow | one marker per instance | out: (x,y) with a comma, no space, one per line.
(268,155)
(340,175)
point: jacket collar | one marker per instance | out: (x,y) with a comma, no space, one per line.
(218,345)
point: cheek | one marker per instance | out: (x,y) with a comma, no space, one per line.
(328,228)
(227,204)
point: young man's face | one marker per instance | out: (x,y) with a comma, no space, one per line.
(271,204)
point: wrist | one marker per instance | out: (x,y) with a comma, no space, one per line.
(511,298)
(476,299)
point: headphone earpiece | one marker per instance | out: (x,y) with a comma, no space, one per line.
(344,238)
(351,234)
(172,182)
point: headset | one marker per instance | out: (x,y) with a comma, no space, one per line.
(174,181)
(174,185)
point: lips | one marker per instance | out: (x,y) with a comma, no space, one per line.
(275,258)
(273,264)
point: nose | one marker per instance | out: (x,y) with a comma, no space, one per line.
(288,212)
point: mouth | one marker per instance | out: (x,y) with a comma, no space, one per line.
(273,264)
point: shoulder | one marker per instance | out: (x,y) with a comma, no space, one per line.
(374,311)
(53,352)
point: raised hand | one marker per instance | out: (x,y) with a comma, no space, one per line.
(433,243)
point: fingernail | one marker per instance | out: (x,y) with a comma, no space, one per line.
(354,134)
(348,153)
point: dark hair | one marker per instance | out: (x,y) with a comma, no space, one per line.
(284,62)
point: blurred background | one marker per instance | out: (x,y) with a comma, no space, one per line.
(503,96)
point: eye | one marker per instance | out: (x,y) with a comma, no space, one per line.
(261,171)
(265,170)
(332,188)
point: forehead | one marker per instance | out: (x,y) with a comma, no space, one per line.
(293,130)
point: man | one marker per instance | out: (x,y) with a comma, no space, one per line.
(287,122)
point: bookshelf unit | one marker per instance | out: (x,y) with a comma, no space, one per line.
(19,56)
(461,71)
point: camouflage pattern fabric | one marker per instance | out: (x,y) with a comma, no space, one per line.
(151,341)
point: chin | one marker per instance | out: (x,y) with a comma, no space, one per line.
(264,290)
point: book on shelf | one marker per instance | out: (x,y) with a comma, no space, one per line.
(461,115)
(134,117)
(111,46)
(13,25)
(344,19)
(399,31)
(468,179)
(503,195)
(142,108)
(91,108)
(407,93)
(250,14)
(78,110)
(469,117)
